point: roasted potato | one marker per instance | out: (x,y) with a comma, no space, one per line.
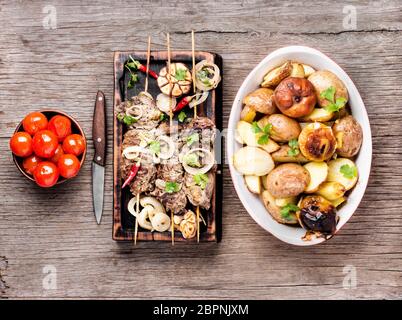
(349,136)
(253,183)
(287,180)
(275,76)
(244,131)
(253,161)
(317,142)
(344,171)
(318,115)
(282,155)
(318,174)
(337,202)
(308,70)
(331,190)
(297,70)
(317,214)
(275,211)
(261,100)
(248,114)
(281,202)
(295,97)
(283,127)
(322,80)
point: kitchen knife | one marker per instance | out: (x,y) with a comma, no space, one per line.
(98,163)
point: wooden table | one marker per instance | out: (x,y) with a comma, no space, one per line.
(54,230)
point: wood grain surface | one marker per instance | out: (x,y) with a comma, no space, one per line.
(64,67)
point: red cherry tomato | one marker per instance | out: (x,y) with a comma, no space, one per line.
(34,122)
(45,143)
(59,152)
(21,144)
(74,144)
(29,164)
(61,126)
(68,165)
(46,174)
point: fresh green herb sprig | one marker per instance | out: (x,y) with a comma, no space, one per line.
(172,187)
(265,132)
(182,116)
(180,74)
(201,180)
(348,171)
(192,138)
(334,104)
(286,211)
(294,148)
(127,120)
(155,147)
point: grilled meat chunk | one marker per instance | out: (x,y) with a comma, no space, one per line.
(142,107)
(197,195)
(146,175)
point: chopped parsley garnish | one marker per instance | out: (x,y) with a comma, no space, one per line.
(201,180)
(182,116)
(192,160)
(180,74)
(286,211)
(264,132)
(192,139)
(172,187)
(163,117)
(127,120)
(133,80)
(155,147)
(348,171)
(334,104)
(294,148)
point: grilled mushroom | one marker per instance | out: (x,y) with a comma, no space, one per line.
(177,82)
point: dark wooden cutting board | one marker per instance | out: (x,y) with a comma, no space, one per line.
(123,221)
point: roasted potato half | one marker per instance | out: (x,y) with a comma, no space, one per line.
(245,133)
(275,76)
(324,79)
(248,114)
(318,174)
(275,211)
(287,180)
(349,136)
(331,190)
(283,155)
(261,100)
(344,171)
(253,183)
(318,115)
(283,127)
(308,70)
(317,142)
(253,161)
(297,70)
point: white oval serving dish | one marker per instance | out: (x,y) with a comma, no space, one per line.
(253,203)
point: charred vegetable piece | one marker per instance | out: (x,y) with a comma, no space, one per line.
(318,215)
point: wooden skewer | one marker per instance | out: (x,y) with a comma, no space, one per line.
(169,80)
(195,117)
(170,117)
(193,55)
(148,59)
(137,210)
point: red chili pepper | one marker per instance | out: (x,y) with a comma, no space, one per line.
(183,102)
(133,172)
(143,68)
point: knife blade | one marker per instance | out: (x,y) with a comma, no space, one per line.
(98,163)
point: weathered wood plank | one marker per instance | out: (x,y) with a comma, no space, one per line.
(66,66)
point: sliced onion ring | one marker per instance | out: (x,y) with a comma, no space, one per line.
(164,102)
(171,147)
(130,110)
(210,162)
(198,99)
(214,80)
(131,206)
(133,152)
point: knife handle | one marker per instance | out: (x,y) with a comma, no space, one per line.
(99,129)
